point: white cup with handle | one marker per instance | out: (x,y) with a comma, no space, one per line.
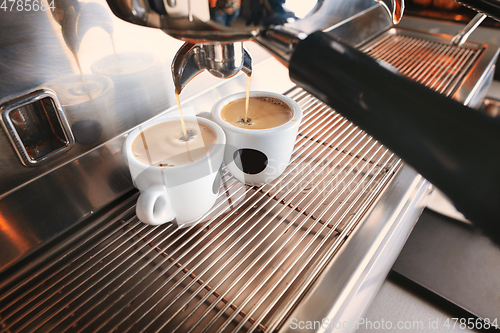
(184,192)
(258,156)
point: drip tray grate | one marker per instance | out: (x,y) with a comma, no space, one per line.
(241,269)
(438,65)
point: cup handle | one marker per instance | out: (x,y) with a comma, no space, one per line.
(153,206)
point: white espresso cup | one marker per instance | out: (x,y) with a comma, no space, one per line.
(184,192)
(258,156)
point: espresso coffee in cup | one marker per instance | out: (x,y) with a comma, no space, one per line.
(263,112)
(259,150)
(164,144)
(178,177)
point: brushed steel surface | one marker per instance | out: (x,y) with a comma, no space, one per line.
(353,27)
(245,264)
(35,55)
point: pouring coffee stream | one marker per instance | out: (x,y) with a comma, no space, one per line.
(247,99)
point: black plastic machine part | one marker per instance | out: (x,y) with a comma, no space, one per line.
(455,147)
(488,7)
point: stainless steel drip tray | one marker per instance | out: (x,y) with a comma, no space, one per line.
(259,255)
(460,72)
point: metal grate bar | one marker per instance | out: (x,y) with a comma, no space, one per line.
(422,57)
(317,117)
(144,237)
(41,302)
(246,256)
(213,240)
(81,283)
(404,62)
(277,266)
(307,261)
(462,61)
(16,303)
(209,288)
(71,279)
(432,71)
(240,269)
(439,66)
(421,68)
(66,275)
(296,244)
(385,47)
(392,53)
(333,248)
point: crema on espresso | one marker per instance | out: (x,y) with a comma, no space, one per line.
(263,112)
(164,144)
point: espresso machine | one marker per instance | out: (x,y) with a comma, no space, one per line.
(217,47)
(316,243)
(331,70)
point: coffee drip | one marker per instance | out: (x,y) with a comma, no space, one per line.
(183,124)
(247,100)
(187,137)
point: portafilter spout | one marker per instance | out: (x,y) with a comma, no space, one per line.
(222,60)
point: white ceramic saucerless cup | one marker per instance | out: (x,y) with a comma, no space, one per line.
(185,192)
(258,156)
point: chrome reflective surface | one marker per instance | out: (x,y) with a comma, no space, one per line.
(464,34)
(210,23)
(221,60)
(201,21)
(35,55)
(37,127)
